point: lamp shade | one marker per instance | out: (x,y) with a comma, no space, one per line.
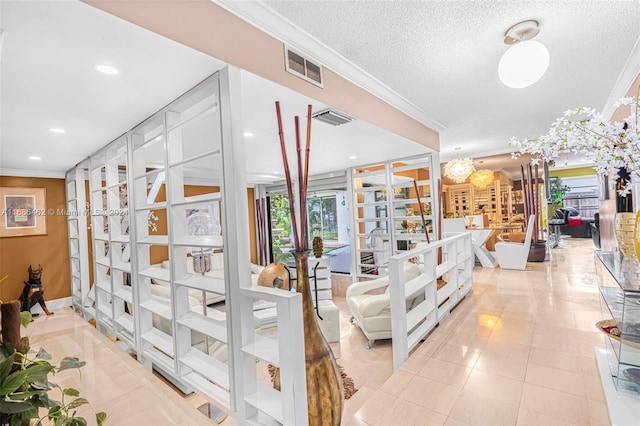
(481,178)
(523,64)
(459,169)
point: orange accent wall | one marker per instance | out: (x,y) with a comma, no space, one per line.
(51,250)
(209,28)
(160,253)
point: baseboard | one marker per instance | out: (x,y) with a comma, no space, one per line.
(52,305)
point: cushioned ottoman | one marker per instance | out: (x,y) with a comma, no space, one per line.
(330,322)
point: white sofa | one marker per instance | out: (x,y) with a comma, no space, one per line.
(372,312)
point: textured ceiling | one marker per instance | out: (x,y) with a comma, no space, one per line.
(443,57)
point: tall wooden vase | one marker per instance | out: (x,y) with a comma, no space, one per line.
(324,383)
(624,230)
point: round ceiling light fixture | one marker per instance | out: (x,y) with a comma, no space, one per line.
(459,169)
(526,61)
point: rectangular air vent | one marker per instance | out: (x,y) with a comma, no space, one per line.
(302,67)
(332,117)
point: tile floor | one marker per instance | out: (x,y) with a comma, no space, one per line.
(517,351)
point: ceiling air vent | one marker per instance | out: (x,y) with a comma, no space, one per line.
(302,67)
(332,117)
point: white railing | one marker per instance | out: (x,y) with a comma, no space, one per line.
(285,350)
(419,304)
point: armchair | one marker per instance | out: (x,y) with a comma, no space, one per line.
(514,255)
(372,312)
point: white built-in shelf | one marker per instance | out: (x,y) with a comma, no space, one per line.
(160,340)
(205,109)
(104,261)
(162,274)
(202,282)
(268,400)
(207,388)
(120,238)
(122,266)
(124,293)
(207,366)
(205,325)
(195,158)
(445,267)
(154,239)
(200,241)
(101,237)
(104,286)
(105,310)
(125,321)
(264,348)
(158,305)
(204,198)
(153,206)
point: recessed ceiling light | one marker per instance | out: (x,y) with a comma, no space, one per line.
(57,130)
(35,158)
(276,172)
(457,148)
(248,134)
(353,157)
(107,69)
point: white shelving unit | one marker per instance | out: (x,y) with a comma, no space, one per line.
(111,242)
(446,278)
(185,161)
(386,212)
(77,220)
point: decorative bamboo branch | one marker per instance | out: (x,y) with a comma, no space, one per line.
(424,224)
(287,176)
(300,240)
(525,200)
(536,204)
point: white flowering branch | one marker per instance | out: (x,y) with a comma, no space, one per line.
(611,146)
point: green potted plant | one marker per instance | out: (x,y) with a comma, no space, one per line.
(25,387)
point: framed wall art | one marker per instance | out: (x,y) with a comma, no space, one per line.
(24,212)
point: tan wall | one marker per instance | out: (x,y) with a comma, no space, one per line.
(51,250)
(608,207)
(207,27)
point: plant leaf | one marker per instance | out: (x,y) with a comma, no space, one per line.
(54,412)
(77,403)
(5,367)
(71,392)
(25,318)
(13,382)
(43,354)
(16,396)
(42,385)
(38,372)
(101,417)
(70,362)
(77,421)
(9,407)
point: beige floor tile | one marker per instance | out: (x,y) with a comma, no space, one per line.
(375,407)
(356,402)
(533,418)
(598,414)
(396,384)
(455,422)
(435,396)
(513,368)
(496,387)
(563,361)
(406,413)
(445,372)
(455,354)
(555,404)
(506,348)
(553,378)
(476,409)
(593,388)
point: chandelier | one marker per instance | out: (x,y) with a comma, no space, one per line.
(459,169)
(481,178)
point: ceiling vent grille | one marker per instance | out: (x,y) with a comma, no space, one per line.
(302,67)
(332,117)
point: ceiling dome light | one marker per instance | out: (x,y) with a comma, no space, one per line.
(56,130)
(523,64)
(526,61)
(107,69)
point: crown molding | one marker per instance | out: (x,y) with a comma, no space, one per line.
(269,21)
(628,75)
(32,173)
